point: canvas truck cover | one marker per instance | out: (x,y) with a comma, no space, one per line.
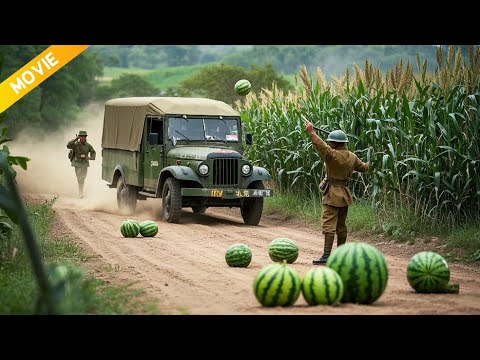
(124,117)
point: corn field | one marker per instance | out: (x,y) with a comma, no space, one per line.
(419,131)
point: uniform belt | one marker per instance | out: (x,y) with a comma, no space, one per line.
(337,182)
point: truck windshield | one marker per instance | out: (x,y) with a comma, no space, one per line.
(203,129)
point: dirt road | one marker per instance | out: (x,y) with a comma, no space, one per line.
(183,266)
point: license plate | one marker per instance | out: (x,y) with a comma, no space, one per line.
(216,193)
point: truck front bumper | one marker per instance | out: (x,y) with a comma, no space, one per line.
(227,193)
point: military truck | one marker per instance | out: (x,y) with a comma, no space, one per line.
(186,151)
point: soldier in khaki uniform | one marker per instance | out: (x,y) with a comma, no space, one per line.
(81,157)
(336,197)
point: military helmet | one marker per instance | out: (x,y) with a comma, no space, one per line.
(337,136)
(82,133)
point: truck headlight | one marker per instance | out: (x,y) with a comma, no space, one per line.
(246,169)
(203,169)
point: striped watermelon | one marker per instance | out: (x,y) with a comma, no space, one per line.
(277,285)
(243,87)
(130,228)
(322,286)
(149,228)
(283,249)
(238,255)
(428,272)
(363,271)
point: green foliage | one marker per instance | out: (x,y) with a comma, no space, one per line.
(5,228)
(169,78)
(55,101)
(217,81)
(113,72)
(127,85)
(422,147)
(6,203)
(81,294)
(467,238)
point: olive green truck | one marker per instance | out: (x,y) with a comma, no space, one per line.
(186,151)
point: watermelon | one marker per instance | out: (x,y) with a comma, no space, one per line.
(130,228)
(363,271)
(428,272)
(238,255)
(277,285)
(283,249)
(148,228)
(243,87)
(322,286)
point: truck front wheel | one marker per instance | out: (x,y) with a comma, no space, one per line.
(171,200)
(251,208)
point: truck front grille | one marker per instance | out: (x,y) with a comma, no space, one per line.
(225,172)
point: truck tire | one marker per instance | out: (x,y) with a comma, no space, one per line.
(251,208)
(126,197)
(171,200)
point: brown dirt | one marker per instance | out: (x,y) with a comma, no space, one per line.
(183,266)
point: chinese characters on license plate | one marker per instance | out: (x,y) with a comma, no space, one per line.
(242,193)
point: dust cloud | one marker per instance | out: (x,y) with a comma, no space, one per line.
(49,172)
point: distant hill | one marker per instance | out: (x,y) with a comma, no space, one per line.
(156,56)
(286,59)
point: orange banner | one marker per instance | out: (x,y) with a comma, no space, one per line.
(35,72)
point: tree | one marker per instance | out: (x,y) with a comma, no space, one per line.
(55,101)
(217,81)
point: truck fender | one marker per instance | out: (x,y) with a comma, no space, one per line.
(179,173)
(117,172)
(259,173)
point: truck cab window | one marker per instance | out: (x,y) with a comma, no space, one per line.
(157,127)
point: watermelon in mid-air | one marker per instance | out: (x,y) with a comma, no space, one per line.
(243,87)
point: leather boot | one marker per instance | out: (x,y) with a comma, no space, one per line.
(327,249)
(341,240)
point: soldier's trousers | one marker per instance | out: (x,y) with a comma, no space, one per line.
(334,220)
(81,173)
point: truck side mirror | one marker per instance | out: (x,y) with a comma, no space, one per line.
(153,138)
(248,139)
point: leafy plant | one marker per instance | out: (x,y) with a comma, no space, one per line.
(419,131)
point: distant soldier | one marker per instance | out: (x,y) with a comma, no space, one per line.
(340,163)
(81,150)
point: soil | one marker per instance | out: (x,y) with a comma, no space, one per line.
(183,267)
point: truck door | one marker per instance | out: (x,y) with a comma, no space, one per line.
(153,152)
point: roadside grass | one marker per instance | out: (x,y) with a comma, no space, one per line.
(391,223)
(19,290)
